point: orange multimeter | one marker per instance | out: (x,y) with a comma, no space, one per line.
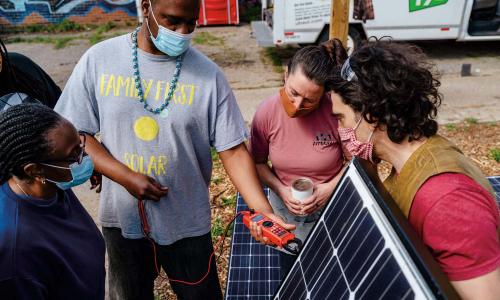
(276,234)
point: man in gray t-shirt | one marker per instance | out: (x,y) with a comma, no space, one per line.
(157,152)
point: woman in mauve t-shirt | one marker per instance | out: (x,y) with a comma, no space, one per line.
(296,133)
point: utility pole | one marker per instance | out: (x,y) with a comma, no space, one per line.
(339,20)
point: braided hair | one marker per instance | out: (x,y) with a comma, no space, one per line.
(23,137)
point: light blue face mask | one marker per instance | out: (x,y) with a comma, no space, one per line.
(80,173)
(168,41)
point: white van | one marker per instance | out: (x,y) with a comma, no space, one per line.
(307,21)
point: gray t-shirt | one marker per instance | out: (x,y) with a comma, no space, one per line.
(100,96)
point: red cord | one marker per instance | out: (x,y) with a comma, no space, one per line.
(147,231)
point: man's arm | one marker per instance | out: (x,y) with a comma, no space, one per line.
(241,169)
(137,184)
(486,287)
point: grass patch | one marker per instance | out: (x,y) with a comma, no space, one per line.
(230,57)
(206,38)
(96,38)
(271,55)
(229,201)
(64,26)
(450,126)
(58,42)
(217,228)
(471,121)
(214,154)
(495,154)
(105,27)
(217,180)
(99,33)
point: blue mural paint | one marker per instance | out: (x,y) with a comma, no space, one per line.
(55,11)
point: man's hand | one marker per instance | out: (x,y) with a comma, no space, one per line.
(294,206)
(256,231)
(320,196)
(144,187)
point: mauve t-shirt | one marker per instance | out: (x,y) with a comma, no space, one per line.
(308,146)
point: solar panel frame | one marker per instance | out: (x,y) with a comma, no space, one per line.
(420,257)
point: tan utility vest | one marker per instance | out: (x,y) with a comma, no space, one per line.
(437,155)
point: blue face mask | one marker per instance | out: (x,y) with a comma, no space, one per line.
(167,41)
(80,173)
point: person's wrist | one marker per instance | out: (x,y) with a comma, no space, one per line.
(125,177)
(331,185)
(268,211)
(281,191)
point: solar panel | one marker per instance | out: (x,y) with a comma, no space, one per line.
(254,269)
(362,247)
(495,183)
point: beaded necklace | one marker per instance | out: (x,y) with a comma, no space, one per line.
(137,78)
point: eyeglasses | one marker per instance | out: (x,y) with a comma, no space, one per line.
(81,155)
(83,140)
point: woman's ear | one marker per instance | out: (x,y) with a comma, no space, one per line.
(34,172)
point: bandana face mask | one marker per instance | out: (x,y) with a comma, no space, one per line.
(291,110)
(354,146)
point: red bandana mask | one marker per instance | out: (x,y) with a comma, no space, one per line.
(354,146)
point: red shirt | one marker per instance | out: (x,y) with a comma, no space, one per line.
(458,220)
(308,146)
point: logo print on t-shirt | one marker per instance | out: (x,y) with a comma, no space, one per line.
(146,128)
(323,141)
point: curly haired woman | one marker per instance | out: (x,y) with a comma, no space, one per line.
(386,99)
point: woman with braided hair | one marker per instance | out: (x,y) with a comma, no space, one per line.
(50,248)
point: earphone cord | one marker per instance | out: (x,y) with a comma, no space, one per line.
(147,233)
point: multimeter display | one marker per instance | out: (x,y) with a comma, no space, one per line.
(257,218)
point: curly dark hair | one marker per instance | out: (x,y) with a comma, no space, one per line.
(317,62)
(23,137)
(396,86)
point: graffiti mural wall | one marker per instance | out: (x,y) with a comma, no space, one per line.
(24,12)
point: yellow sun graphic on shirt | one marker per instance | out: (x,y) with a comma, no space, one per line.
(146,128)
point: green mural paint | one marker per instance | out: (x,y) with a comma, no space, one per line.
(416,5)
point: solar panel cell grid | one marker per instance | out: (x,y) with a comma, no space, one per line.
(495,182)
(254,269)
(347,242)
